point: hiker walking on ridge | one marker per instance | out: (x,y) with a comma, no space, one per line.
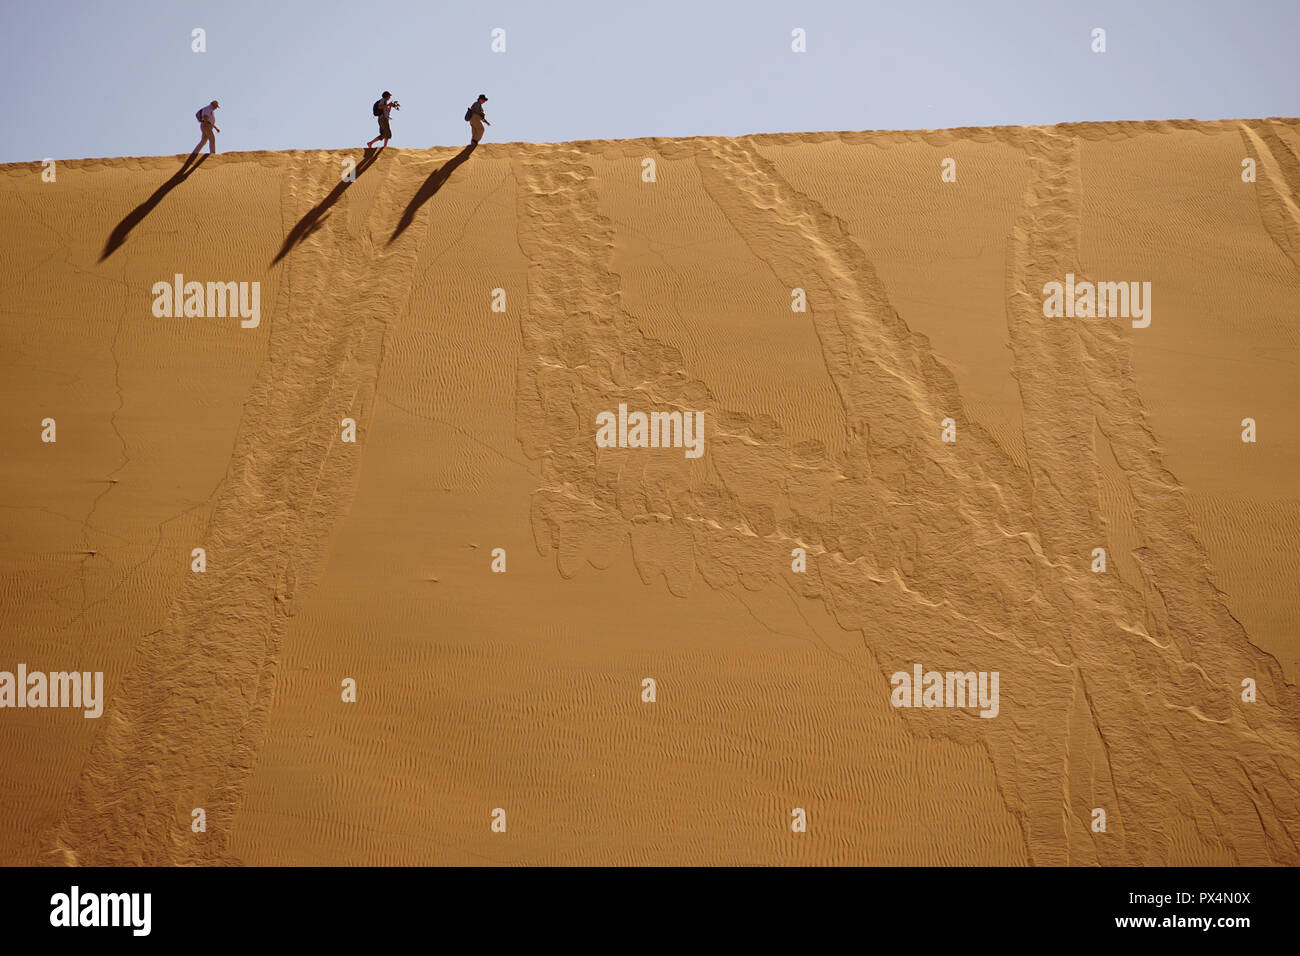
(476,118)
(207,124)
(381,108)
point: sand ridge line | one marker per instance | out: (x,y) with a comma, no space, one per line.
(1095,130)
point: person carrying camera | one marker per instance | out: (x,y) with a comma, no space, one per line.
(381,108)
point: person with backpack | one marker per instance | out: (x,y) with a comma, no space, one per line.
(381,108)
(207,124)
(476,118)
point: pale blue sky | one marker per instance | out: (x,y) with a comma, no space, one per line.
(118,78)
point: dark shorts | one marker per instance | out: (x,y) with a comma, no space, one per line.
(384,130)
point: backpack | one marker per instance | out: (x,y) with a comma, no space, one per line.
(198,114)
(468,113)
(378,108)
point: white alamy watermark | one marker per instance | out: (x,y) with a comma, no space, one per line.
(78,689)
(1098,300)
(75,908)
(179,298)
(651,430)
(946,689)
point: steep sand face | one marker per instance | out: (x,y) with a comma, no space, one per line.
(372,561)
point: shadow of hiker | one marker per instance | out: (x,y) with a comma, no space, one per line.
(431,186)
(314,218)
(134,217)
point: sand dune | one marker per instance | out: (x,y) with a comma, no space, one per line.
(329,560)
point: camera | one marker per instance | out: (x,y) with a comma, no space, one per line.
(395,105)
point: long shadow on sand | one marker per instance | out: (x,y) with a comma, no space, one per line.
(137,214)
(431,186)
(315,216)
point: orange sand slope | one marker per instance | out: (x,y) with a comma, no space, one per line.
(500,717)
